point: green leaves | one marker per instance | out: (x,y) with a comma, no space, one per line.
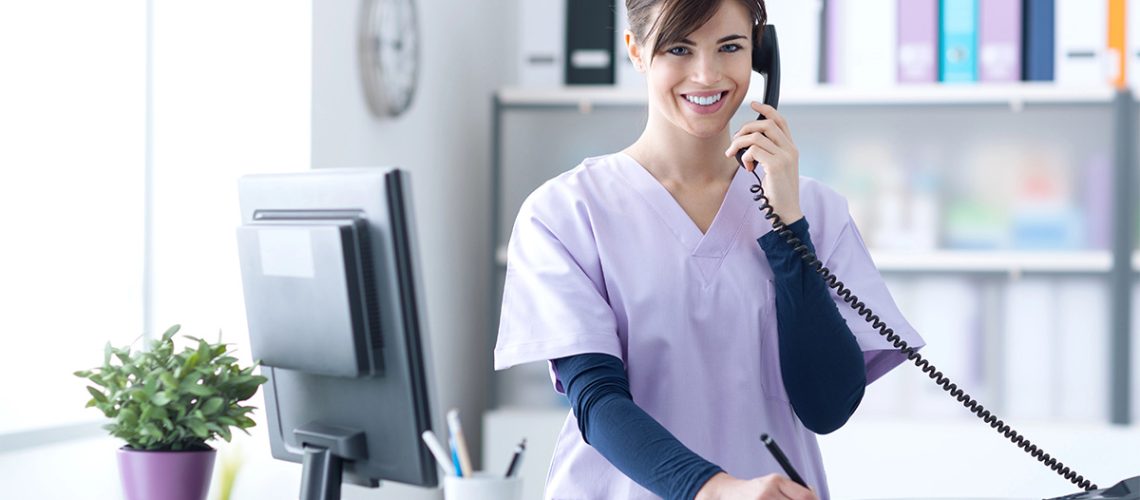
(99,396)
(159,399)
(212,406)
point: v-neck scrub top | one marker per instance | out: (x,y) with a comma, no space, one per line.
(602,259)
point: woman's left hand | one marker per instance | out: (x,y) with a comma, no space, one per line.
(770,145)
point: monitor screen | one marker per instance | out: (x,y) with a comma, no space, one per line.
(332,295)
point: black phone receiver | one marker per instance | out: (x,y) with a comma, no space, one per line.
(766,61)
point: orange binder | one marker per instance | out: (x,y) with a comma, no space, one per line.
(1117,11)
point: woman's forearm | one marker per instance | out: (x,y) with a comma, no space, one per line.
(821,363)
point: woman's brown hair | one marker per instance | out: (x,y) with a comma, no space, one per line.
(676,19)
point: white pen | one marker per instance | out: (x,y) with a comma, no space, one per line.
(438,452)
(460,442)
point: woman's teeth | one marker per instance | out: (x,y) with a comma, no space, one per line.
(704,101)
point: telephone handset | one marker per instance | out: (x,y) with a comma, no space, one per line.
(766,61)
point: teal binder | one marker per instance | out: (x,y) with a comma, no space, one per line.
(958,34)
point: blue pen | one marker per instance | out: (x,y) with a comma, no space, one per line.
(455,456)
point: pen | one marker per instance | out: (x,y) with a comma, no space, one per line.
(511,469)
(782,460)
(455,457)
(438,452)
(460,442)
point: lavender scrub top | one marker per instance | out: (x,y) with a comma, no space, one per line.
(602,259)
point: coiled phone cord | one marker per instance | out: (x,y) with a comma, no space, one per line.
(912,355)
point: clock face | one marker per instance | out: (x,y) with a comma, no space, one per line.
(389,55)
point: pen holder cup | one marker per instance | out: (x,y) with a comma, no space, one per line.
(482,486)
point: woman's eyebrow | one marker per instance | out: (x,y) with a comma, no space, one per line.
(722,40)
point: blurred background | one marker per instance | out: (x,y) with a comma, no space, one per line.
(986,147)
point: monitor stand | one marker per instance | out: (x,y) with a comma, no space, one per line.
(327,447)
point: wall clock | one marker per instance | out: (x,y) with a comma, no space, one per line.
(389,53)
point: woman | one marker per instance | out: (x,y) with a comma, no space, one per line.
(677,338)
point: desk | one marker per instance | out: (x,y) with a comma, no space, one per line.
(866,458)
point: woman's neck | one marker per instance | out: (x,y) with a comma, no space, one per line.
(676,157)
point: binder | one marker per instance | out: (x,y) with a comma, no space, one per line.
(625,74)
(1082,39)
(946,311)
(541,42)
(1038,52)
(999,41)
(862,42)
(959,41)
(834,11)
(1029,374)
(1132,61)
(1114,56)
(917,41)
(1082,328)
(799,25)
(589,42)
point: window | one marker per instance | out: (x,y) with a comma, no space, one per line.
(231,96)
(72,168)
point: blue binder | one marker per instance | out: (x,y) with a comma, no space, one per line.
(1037,33)
(958,33)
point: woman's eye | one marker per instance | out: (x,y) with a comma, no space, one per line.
(678,51)
(732,47)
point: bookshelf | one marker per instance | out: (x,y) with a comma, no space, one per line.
(1115,265)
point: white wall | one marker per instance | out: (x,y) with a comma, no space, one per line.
(444,141)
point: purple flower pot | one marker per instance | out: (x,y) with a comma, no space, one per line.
(166,475)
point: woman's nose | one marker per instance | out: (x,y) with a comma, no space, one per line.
(707,70)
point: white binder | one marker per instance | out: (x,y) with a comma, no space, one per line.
(1030,369)
(798,24)
(1081,42)
(867,43)
(1082,334)
(542,39)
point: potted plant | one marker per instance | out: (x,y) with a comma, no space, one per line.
(166,405)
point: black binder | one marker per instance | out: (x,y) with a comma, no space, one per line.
(590,42)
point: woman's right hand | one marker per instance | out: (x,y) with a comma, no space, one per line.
(773,486)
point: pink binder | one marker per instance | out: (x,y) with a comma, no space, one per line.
(918,41)
(999,41)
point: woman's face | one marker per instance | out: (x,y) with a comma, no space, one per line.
(699,83)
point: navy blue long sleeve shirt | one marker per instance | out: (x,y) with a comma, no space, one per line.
(820,361)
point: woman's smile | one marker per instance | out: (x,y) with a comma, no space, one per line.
(704,103)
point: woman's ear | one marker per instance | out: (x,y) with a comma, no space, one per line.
(634,51)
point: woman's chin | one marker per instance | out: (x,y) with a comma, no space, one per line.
(706,131)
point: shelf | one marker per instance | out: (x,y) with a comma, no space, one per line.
(973,262)
(1011,262)
(1013,95)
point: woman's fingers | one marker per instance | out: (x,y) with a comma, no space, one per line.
(772,115)
(767,128)
(793,490)
(755,156)
(755,139)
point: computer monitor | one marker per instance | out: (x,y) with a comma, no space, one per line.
(332,295)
